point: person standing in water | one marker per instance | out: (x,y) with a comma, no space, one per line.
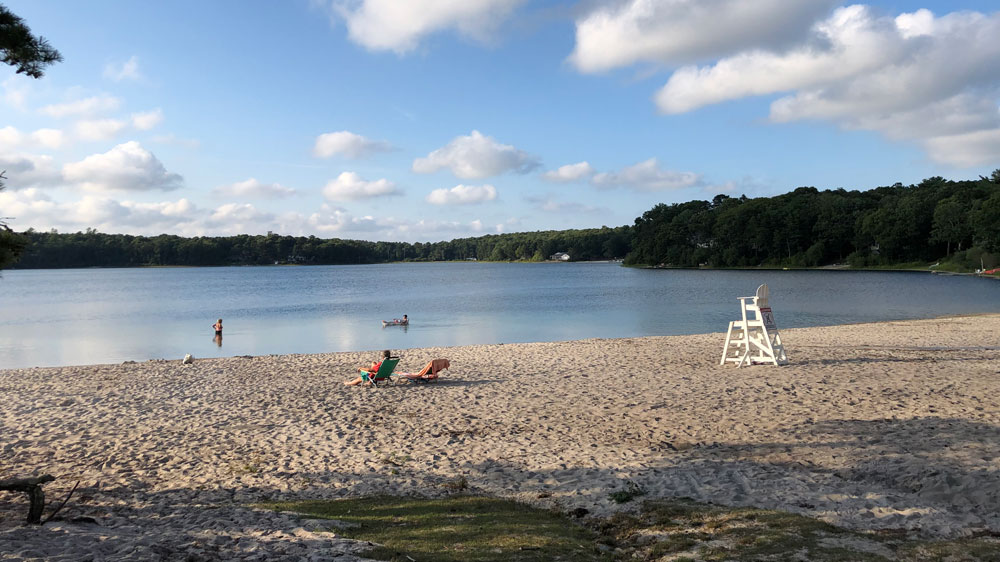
(218,333)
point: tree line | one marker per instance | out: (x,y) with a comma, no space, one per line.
(938,219)
(956,222)
(95,249)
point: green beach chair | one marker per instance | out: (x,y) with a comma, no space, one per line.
(383,373)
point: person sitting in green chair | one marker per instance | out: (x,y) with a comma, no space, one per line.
(372,369)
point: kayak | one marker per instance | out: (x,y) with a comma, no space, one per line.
(394,323)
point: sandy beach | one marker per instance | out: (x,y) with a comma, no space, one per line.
(873,426)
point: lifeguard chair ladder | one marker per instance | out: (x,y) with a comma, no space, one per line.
(755,337)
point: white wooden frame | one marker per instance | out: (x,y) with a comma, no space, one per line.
(754,338)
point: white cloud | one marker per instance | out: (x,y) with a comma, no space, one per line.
(254,188)
(551,205)
(349,186)
(28,208)
(11,138)
(475,157)
(99,129)
(338,221)
(15,91)
(434,228)
(84,107)
(32,208)
(238,218)
(49,138)
(126,70)
(399,26)
(29,170)
(569,172)
(347,143)
(647,176)
(126,167)
(849,43)
(932,81)
(462,195)
(976,148)
(675,32)
(334,219)
(146,120)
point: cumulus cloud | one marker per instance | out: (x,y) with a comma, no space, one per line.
(12,139)
(349,186)
(673,32)
(83,107)
(146,120)
(29,170)
(975,148)
(34,208)
(126,167)
(933,81)
(462,195)
(569,172)
(476,156)
(238,218)
(128,70)
(335,219)
(399,26)
(99,129)
(349,144)
(429,228)
(646,176)
(254,188)
(847,44)
(48,138)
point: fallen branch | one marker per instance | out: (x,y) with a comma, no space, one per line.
(66,499)
(32,487)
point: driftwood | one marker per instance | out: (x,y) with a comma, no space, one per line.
(32,487)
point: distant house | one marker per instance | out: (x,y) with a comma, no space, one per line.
(559,256)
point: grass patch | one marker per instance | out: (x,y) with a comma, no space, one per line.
(457,528)
(460,528)
(684,529)
(631,491)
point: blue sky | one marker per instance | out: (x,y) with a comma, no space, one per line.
(429,120)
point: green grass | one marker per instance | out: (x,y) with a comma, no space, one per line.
(457,528)
(684,529)
(460,528)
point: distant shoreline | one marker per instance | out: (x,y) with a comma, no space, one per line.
(832,267)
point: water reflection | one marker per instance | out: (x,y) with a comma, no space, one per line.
(79,317)
(218,339)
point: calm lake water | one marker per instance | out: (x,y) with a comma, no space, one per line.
(87,316)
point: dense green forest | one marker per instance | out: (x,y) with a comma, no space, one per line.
(92,248)
(954,222)
(935,220)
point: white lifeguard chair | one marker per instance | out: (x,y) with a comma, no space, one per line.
(754,338)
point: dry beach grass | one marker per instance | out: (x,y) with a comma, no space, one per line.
(875,426)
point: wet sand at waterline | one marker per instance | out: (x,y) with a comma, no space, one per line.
(892,425)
